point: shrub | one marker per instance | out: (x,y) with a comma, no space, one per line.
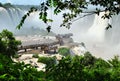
(35,56)
(68,69)
(8,43)
(88,59)
(64,51)
(12,71)
(85,68)
(49,61)
(16,56)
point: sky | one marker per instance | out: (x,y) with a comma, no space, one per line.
(22,2)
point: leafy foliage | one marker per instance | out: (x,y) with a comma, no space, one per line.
(33,9)
(12,71)
(35,56)
(8,44)
(64,51)
(77,68)
(16,56)
(49,61)
(115,62)
(83,68)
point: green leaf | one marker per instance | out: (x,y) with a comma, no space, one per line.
(109,26)
(48,28)
(49,20)
(12,78)
(1,67)
(3,76)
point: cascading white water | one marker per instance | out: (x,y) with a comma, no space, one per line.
(90,30)
(4,19)
(114,34)
(9,18)
(15,15)
(97,30)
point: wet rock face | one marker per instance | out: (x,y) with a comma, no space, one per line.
(64,39)
(78,50)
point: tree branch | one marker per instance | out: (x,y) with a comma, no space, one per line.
(82,16)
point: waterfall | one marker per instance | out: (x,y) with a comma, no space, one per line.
(113,35)
(97,30)
(4,19)
(10,18)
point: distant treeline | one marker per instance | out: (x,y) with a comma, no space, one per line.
(25,7)
(7,5)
